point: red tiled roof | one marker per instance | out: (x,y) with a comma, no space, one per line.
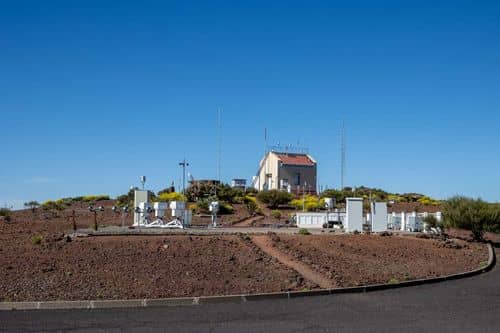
(295,159)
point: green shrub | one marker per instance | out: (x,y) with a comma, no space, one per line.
(276,214)
(303,231)
(475,215)
(228,194)
(33,205)
(310,202)
(203,205)
(51,205)
(251,204)
(223,192)
(94,198)
(427,201)
(431,221)
(125,200)
(251,191)
(171,196)
(225,208)
(275,198)
(36,239)
(4,212)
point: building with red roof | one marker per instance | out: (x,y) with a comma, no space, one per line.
(292,172)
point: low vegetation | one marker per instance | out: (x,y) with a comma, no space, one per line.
(95,198)
(36,239)
(33,205)
(303,231)
(54,206)
(309,202)
(475,215)
(274,198)
(378,195)
(276,214)
(5,213)
(171,196)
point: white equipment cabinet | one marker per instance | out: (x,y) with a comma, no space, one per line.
(354,215)
(379,217)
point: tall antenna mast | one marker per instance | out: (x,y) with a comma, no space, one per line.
(219,143)
(265,141)
(342,156)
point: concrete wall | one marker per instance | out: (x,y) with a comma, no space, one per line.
(308,175)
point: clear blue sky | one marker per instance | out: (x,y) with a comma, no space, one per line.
(94,94)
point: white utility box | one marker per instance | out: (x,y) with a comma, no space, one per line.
(354,215)
(379,217)
(160,208)
(139,196)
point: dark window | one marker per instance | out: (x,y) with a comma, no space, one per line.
(297,179)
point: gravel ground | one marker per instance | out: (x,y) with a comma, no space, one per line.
(353,260)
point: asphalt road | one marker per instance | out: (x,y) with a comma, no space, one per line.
(469,305)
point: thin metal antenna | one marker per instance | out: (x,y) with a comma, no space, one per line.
(342,156)
(219,144)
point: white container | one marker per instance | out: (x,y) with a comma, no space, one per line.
(311,220)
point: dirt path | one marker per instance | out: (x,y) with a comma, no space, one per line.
(249,221)
(266,245)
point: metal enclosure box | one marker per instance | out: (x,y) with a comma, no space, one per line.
(354,215)
(188,217)
(160,208)
(177,205)
(139,196)
(379,217)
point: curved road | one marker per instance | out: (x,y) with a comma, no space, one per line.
(469,305)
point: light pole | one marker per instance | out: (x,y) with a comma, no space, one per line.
(184,164)
(304,197)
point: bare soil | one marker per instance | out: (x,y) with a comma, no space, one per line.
(138,267)
(266,244)
(354,260)
(175,266)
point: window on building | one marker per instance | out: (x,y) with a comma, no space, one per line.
(297,178)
